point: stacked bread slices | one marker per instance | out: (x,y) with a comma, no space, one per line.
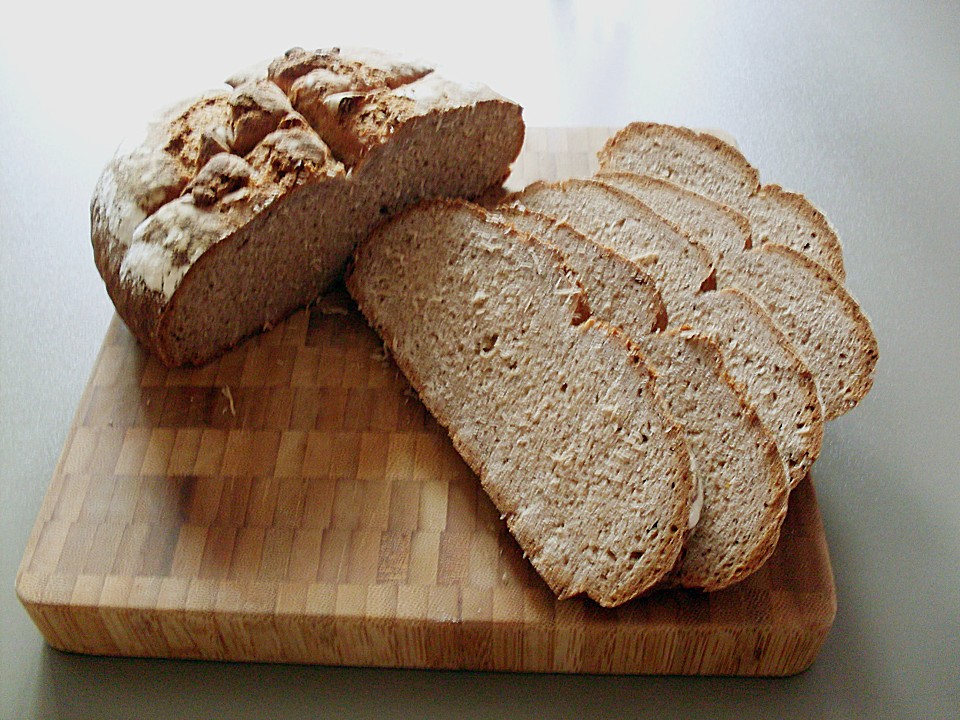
(751,344)
(773,244)
(555,410)
(734,458)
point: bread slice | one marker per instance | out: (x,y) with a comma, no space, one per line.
(629,301)
(827,326)
(236,209)
(734,459)
(558,415)
(755,353)
(706,164)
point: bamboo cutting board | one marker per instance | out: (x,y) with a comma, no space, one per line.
(294,502)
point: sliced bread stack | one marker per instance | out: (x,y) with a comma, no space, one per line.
(243,204)
(771,243)
(466,305)
(752,276)
(755,351)
(733,457)
(751,346)
(557,412)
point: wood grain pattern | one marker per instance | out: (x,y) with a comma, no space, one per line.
(294,502)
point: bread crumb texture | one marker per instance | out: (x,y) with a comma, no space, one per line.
(553,409)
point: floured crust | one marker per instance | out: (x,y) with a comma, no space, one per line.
(158,209)
(163,194)
(357,108)
(335,92)
(210,165)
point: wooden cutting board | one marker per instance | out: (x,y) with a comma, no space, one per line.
(294,502)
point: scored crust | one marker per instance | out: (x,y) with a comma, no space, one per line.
(160,208)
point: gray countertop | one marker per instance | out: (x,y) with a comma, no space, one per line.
(856,106)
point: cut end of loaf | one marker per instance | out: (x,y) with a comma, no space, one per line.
(462,152)
(278,262)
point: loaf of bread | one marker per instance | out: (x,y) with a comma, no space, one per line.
(637,365)
(826,325)
(241,205)
(557,413)
(755,353)
(741,477)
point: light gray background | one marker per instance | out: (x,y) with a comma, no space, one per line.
(857,106)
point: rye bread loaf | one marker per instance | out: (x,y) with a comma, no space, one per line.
(240,206)
(708,165)
(827,326)
(755,353)
(556,412)
(741,477)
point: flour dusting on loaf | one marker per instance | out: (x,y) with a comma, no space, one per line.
(436,89)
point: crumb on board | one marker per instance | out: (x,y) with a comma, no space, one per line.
(225,391)
(332,305)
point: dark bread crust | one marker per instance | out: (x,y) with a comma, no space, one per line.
(139,311)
